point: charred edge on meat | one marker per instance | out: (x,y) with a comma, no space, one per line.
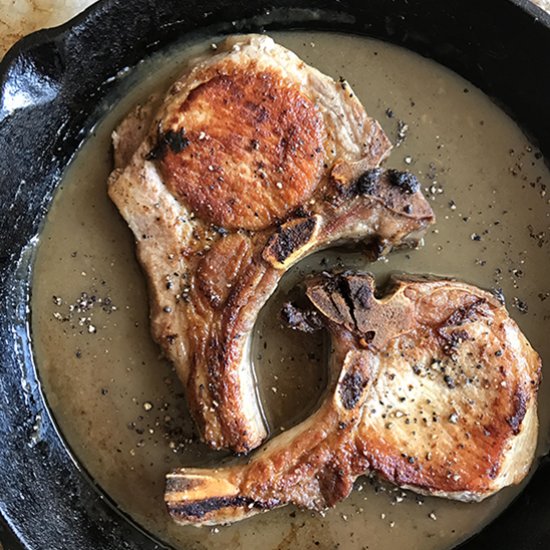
(360,293)
(520,408)
(298,319)
(453,339)
(301,212)
(203,507)
(405,181)
(289,238)
(351,389)
(367,182)
(463,314)
(173,140)
(355,294)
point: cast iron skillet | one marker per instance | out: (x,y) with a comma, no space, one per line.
(51,82)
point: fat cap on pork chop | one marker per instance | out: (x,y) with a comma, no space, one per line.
(251,161)
(433,387)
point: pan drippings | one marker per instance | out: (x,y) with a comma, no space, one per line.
(120,406)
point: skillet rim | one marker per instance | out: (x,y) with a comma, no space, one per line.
(27,49)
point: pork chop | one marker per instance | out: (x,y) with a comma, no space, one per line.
(433,387)
(251,161)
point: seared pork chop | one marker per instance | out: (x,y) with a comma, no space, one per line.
(251,161)
(433,387)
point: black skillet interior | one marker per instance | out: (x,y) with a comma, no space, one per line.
(50,84)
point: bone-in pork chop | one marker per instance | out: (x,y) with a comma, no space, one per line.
(251,161)
(433,387)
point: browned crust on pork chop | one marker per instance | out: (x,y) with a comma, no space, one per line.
(218,337)
(251,149)
(432,386)
(461,339)
(215,242)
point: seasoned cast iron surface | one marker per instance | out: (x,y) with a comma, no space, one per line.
(51,83)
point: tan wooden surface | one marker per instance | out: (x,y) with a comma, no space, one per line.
(20,17)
